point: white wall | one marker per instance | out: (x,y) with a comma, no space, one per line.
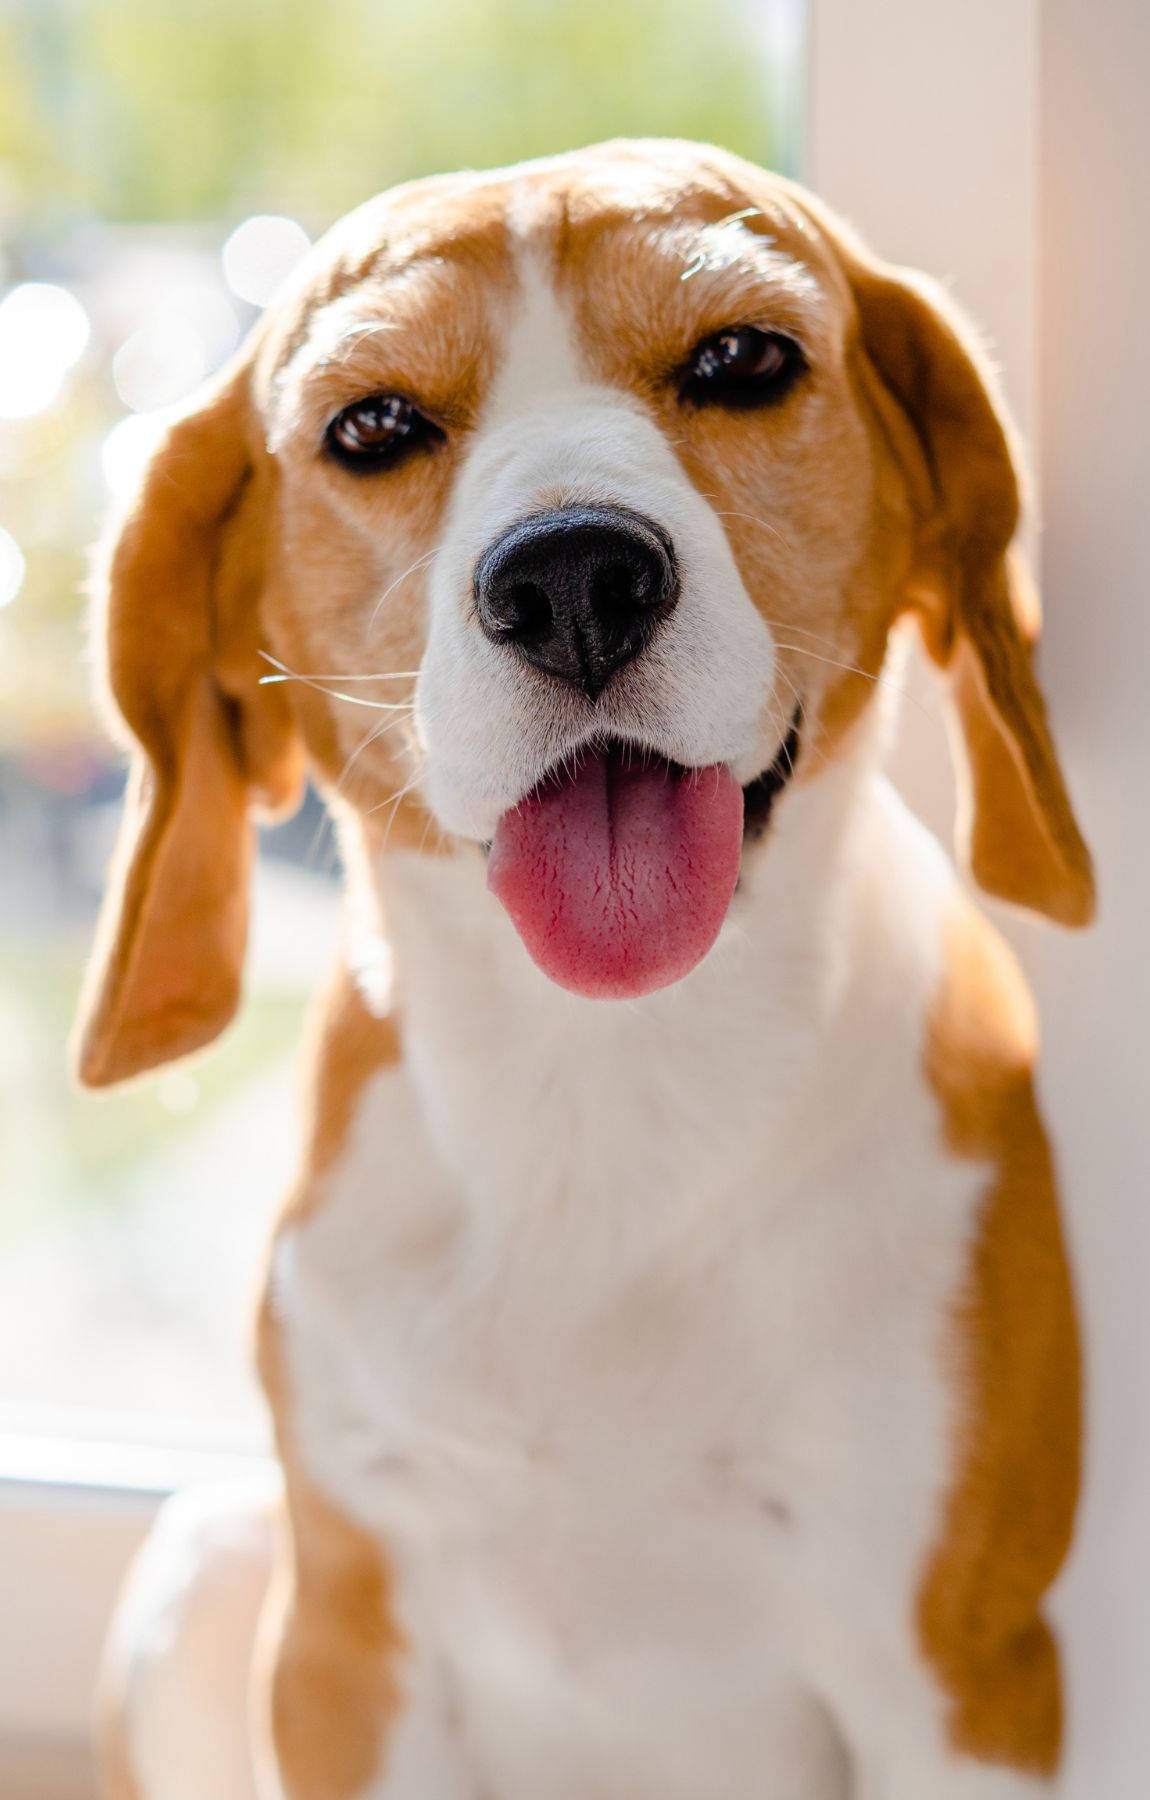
(1094,407)
(920,128)
(1005,144)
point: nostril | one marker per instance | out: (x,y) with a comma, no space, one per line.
(619,585)
(519,610)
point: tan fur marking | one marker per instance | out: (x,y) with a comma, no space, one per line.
(1010,1513)
(350,1045)
(329,1636)
(330,1646)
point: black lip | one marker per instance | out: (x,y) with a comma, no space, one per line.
(759,795)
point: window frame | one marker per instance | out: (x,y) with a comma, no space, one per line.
(73,1512)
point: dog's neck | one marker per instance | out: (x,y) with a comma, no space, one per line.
(527,1087)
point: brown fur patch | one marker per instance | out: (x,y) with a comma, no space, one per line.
(181,602)
(349,1045)
(1014,1348)
(330,1649)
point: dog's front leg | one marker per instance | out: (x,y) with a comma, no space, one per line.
(905,1748)
(352,1709)
(347,1705)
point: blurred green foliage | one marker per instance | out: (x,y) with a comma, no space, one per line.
(178,109)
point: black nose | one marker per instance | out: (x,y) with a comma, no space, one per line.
(578,590)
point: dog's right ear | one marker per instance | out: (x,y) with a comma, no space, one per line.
(179,610)
(945,422)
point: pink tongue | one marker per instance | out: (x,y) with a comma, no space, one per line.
(618,877)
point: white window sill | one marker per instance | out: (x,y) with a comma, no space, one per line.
(72,1514)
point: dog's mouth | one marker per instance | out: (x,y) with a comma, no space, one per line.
(617,870)
(759,796)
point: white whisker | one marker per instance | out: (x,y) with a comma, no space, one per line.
(754,520)
(785,724)
(393,801)
(311,675)
(880,680)
(419,563)
(373,737)
(286,674)
(427,824)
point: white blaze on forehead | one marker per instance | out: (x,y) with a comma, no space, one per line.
(550,434)
(540,357)
(530,206)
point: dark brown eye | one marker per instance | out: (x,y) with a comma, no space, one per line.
(378,432)
(743,366)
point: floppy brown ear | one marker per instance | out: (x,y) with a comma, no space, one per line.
(975,604)
(179,608)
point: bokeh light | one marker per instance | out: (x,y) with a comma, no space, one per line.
(261,253)
(43,332)
(178,344)
(160,363)
(208,310)
(12,567)
(127,448)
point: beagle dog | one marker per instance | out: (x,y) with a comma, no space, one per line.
(669,1338)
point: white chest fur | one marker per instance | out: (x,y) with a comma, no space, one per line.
(622,1324)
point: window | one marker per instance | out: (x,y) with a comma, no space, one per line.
(162,167)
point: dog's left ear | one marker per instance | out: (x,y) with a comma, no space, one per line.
(180,597)
(941,413)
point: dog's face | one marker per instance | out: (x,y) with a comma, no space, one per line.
(588,476)
(580,448)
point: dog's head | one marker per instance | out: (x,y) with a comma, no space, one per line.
(579,500)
